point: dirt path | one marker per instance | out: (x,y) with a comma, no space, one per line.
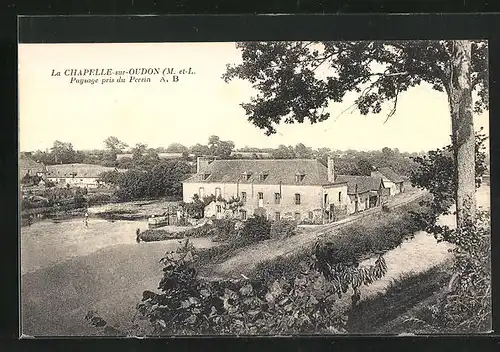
(245,260)
(55,299)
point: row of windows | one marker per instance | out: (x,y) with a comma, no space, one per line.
(260,195)
(277,215)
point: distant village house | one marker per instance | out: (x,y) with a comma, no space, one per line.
(77,175)
(29,167)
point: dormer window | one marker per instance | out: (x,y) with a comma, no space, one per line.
(263,175)
(299,176)
(246,175)
(204,176)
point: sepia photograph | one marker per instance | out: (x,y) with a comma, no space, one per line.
(259,188)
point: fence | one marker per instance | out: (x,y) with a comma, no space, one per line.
(170,217)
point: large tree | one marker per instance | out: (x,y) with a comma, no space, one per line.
(63,153)
(296,81)
(220,148)
(114,145)
(176,148)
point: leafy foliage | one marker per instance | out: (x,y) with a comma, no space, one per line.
(301,304)
(256,228)
(353,243)
(297,80)
(163,179)
(30,180)
(436,173)
(281,229)
(465,304)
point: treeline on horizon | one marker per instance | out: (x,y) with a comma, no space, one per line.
(350,162)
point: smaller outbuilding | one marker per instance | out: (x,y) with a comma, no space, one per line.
(392,180)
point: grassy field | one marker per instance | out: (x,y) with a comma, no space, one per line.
(401,294)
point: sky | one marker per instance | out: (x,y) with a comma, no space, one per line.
(197,106)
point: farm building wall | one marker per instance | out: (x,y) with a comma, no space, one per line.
(274,198)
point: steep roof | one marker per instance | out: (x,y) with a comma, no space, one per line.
(277,170)
(364,183)
(27,164)
(390,174)
(81,170)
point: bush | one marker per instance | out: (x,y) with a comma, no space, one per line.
(283,229)
(159,235)
(273,269)
(98,198)
(34,203)
(352,243)
(225,229)
(257,228)
(200,231)
(303,303)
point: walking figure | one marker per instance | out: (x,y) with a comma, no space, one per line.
(86,219)
(137,233)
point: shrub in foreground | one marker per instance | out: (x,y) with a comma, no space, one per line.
(283,229)
(256,228)
(303,303)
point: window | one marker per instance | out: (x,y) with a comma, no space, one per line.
(340,196)
(201,192)
(297,198)
(260,195)
(218,208)
(262,177)
(297,216)
(311,215)
(277,198)
(277,216)
(243,197)
(299,177)
(326,199)
(217,192)
(243,215)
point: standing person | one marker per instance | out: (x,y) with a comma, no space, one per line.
(30,219)
(137,233)
(86,219)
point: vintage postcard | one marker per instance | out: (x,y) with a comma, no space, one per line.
(254,188)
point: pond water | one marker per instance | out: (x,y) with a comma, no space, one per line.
(47,242)
(68,269)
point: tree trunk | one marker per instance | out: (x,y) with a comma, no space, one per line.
(463,138)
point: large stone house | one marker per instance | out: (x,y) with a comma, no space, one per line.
(391,179)
(300,189)
(77,175)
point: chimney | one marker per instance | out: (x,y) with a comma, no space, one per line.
(201,164)
(331,172)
